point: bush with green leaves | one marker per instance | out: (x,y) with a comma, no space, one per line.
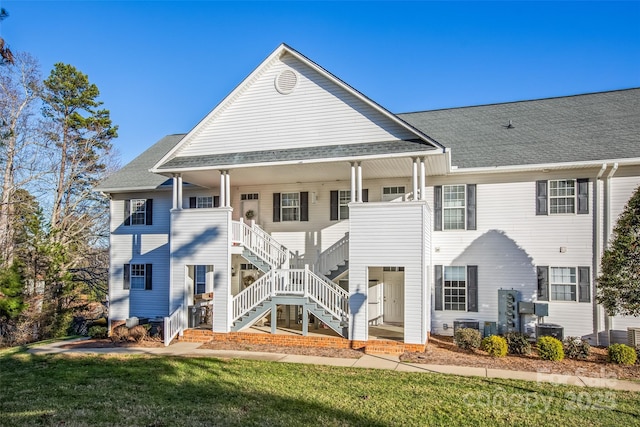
(517,343)
(621,354)
(98,332)
(467,338)
(576,348)
(550,348)
(495,345)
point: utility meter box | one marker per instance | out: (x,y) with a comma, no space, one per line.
(526,307)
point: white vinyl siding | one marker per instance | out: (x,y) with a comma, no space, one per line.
(316,113)
(562,196)
(454,204)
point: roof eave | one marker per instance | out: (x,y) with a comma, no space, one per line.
(542,167)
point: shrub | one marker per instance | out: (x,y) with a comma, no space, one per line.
(621,354)
(518,343)
(550,348)
(138,333)
(120,333)
(98,332)
(638,355)
(494,345)
(467,338)
(576,348)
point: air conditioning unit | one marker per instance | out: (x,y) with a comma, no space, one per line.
(466,323)
(633,337)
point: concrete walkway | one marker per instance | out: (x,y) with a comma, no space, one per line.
(366,361)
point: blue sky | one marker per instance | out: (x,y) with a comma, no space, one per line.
(161,66)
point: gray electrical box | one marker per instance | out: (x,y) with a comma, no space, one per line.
(541,309)
(508,317)
(525,307)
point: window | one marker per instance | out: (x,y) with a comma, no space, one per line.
(137,276)
(249,196)
(455,288)
(562,196)
(204,202)
(248,267)
(392,193)
(392,268)
(290,206)
(454,207)
(138,212)
(563,283)
(199,284)
(344,198)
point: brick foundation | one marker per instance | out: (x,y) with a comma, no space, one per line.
(369,347)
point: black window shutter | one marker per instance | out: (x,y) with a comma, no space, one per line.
(127,212)
(439,285)
(334,205)
(126,284)
(437,208)
(216,201)
(148,207)
(148,277)
(304,206)
(584,284)
(541,198)
(276,207)
(192,202)
(365,195)
(471,207)
(543,283)
(472,288)
(583,196)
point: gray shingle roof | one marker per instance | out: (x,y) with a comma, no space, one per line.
(597,126)
(293,154)
(135,174)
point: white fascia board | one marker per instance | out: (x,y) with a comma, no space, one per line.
(130,189)
(544,166)
(297,162)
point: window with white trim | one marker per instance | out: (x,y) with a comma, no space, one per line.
(203,202)
(290,206)
(344,198)
(137,276)
(392,269)
(249,196)
(563,283)
(455,288)
(138,213)
(454,206)
(392,193)
(200,280)
(562,196)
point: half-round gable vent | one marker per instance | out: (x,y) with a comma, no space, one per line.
(286,81)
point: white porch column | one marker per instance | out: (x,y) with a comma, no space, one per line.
(359,183)
(415,178)
(353,182)
(223,188)
(175,192)
(423,173)
(227,191)
(179,201)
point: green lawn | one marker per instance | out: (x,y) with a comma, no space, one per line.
(170,391)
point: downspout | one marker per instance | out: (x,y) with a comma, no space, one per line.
(607,229)
(597,252)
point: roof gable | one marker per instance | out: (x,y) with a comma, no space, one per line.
(291,103)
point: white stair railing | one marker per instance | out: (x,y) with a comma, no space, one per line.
(333,256)
(328,295)
(260,243)
(173,325)
(253,295)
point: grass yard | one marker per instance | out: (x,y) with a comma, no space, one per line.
(170,391)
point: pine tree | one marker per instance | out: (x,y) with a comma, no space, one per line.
(619,282)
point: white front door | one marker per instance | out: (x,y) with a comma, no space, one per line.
(393,297)
(250,205)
